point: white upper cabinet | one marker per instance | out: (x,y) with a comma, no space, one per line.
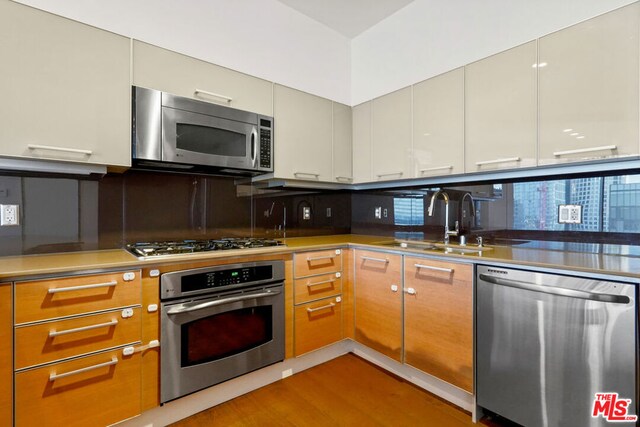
(161,69)
(391,136)
(589,89)
(342,146)
(303,135)
(438,125)
(362,142)
(66,89)
(500,110)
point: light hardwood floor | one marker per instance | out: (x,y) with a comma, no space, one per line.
(346,391)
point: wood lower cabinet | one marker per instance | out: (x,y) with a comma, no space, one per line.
(6,355)
(150,332)
(317,262)
(438,319)
(318,324)
(378,301)
(95,390)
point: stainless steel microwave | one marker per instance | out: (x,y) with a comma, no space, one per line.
(181,134)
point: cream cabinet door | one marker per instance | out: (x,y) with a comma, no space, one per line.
(438,125)
(500,110)
(362,142)
(589,89)
(161,69)
(342,146)
(303,135)
(391,136)
(66,89)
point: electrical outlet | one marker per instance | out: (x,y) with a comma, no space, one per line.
(328,212)
(384,212)
(306,212)
(570,214)
(378,212)
(9,215)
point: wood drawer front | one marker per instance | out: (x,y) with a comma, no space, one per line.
(78,336)
(317,324)
(318,262)
(96,397)
(34,300)
(439,319)
(317,287)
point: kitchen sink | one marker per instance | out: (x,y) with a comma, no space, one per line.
(436,247)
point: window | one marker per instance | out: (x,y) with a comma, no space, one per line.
(408,210)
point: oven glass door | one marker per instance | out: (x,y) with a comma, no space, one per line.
(207,341)
(195,138)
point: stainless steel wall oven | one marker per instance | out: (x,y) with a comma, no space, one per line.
(218,323)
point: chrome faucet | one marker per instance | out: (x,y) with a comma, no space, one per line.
(461,209)
(447,232)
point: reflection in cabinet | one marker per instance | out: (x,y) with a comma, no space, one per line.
(391,135)
(161,69)
(500,110)
(438,125)
(96,390)
(65,88)
(304,134)
(589,89)
(6,355)
(362,142)
(438,319)
(342,146)
(378,301)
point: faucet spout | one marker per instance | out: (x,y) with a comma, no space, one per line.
(447,231)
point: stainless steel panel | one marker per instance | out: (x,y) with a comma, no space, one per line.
(147,124)
(207,108)
(542,356)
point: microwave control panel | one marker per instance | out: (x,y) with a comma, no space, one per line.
(265,144)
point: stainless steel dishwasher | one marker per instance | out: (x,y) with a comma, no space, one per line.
(546,344)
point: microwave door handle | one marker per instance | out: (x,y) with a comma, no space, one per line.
(254,148)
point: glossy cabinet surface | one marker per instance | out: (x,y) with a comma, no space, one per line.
(438,319)
(6,355)
(66,89)
(162,69)
(362,142)
(378,301)
(317,287)
(589,89)
(501,110)
(438,125)
(303,135)
(391,136)
(342,145)
(317,324)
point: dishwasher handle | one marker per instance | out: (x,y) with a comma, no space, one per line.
(572,293)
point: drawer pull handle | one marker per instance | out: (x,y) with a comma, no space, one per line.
(309,285)
(54,377)
(585,150)
(368,258)
(324,307)
(493,162)
(307,174)
(320,258)
(83,287)
(34,147)
(53,334)
(429,267)
(215,95)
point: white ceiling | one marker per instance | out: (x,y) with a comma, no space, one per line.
(348,17)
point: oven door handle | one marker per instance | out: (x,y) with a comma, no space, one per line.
(186,308)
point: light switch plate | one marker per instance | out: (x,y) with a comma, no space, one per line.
(570,214)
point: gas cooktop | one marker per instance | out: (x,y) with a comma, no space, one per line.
(155,249)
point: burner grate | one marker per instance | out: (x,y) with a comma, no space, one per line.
(152,249)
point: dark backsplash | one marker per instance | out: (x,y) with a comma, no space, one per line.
(70,214)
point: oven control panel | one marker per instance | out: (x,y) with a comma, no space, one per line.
(212,279)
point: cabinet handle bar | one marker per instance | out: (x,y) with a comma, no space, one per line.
(492,162)
(303,174)
(381,175)
(429,267)
(324,307)
(320,258)
(368,258)
(82,287)
(585,150)
(53,334)
(437,168)
(217,95)
(63,149)
(54,377)
(309,285)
